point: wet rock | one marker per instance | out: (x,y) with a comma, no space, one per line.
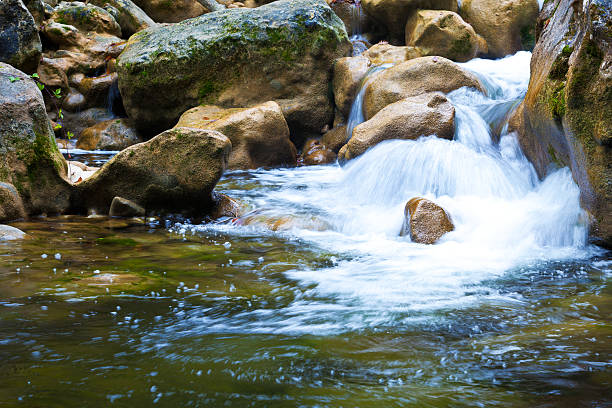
(415,77)
(175,171)
(79,121)
(393,14)
(94,89)
(121,207)
(384,53)
(335,138)
(225,207)
(11,205)
(314,152)
(86,18)
(37,10)
(259,135)
(80,171)
(129,16)
(167,70)
(425,221)
(8,233)
(444,33)
(351,14)
(20,44)
(164,11)
(506,25)
(51,74)
(410,118)
(566,118)
(348,74)
(114,134)
(29,157)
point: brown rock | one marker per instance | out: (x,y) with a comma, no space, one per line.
(444,33)
(11,205)
(164,11)
(259,135)
(315,153)
(86,18)
(410,118)
(225,207)
(121,207)
(506,25)
(114,134)
(425,221)
(93,89)
(335,138)
(414,77)
(384,53)
(348,75)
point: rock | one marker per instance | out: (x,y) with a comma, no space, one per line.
(335,138)
(52,75)
(121,207)
(444,33)
(8,233)
(393,14)
(114,134)
(167,70)
(11,205)
(175,171)
(78,122)
(348,75)
(384,53)
(37,10)
(259,135)
(351,14)
(225,207)
(425,221)
(20,44)
(422,115)
(29,157)
(80,171)
(86,18)
(130,17)
(164,11)
(95,90)
(314,152)
(566,118)
(506,25)
(414,77)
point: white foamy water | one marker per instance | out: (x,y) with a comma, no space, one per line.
(504,217)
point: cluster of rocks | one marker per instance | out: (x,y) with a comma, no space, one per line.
(189,88)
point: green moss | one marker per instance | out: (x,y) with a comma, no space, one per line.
(116,241)
(528,37)
(207,89)
(556,102)
(461,46)
(553,157)
(560,67)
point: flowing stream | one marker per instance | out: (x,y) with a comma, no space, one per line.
(312,299)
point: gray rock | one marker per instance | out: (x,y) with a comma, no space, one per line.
(8,233)
(20,44)
(121,207)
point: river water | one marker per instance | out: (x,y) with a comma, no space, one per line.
(312,299)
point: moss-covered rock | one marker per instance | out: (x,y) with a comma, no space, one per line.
(128,15)
(171,11)
(29,157)
(566,118)
(282,51)
(86,17)
(20,44)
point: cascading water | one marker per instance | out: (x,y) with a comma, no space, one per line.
(356,115)
(359,41)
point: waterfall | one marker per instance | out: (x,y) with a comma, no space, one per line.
(359,41)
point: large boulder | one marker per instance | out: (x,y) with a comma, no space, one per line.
(175,171)
(506,25)
(425,221)
(443,33)
(29,157)
(86,18)
(20,44)
(348,76)
(414,77)
(384,53)
(422,115)
(114,134)
(130,17)
(259,135)
(566,118)
(237,57)
(165,11)
(393,14)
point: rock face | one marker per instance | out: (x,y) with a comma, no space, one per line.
(130,17)
(175,171)
(259,135)
(410,118)
(444,33)
(29,157)
(506,25)
(425,221)
(566,118)
(348,74)
(393,14)
(114,134)
(236,58)
(20,44)
(415,77)
(164,11)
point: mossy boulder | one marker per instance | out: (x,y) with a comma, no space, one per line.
(566,118)
(128,15)
(86,17)
(175,171)
(171,11)
(20,44)
(240,57)
(29,157)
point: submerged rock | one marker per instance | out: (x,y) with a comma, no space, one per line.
(410,118)
(314,152)
(281,52)
(566,118)
(259,134)
(175,171)
(114,134)
(20,44)
(29,157)
(8,233)
(506,25)
(425,221)
(225,206)
(444,33)
(415,77)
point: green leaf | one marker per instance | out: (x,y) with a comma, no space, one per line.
(60,114)
(57,126)
(35,75)
(14,79)
(70,134)
(40,86)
